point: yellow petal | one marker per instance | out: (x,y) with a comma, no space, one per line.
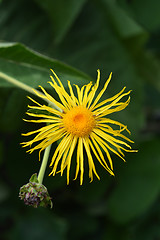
(81,160)
(108,100)
(90,160)
(101,92)
(95,141)
(93,91)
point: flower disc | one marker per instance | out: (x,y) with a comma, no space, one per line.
(79,121)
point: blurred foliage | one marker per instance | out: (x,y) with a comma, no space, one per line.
(75,38)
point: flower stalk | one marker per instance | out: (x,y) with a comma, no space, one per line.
(44,164)
(27,88)
(16,83)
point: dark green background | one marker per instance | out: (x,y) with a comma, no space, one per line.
(75,38)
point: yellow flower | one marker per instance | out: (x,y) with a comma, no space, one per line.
(80,121)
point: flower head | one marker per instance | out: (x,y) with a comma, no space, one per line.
(81,122)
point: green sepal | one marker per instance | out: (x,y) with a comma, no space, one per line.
(34,178)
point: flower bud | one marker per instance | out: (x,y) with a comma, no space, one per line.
(35,194)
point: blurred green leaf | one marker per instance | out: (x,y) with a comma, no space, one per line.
(62,15)
(114,232)
(1,152)
(32,29)
(4,192)
(86,193)
(13,106)
(118,17)
(146,12)
(138,184)
(40,225)
(149,68)
(83,225)
(32,68)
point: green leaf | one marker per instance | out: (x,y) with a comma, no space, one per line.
(122,22)
(12,105)
(32,68)
(33,29)
(4,191)
(32,226)
(1,152)
(86,193)
(146,13)
(62,15)
(138,184)
(83,225)
(149,68)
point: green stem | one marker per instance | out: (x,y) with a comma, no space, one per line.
(44,164)
(16,83)
(27,88)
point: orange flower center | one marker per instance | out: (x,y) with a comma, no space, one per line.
(79,121)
